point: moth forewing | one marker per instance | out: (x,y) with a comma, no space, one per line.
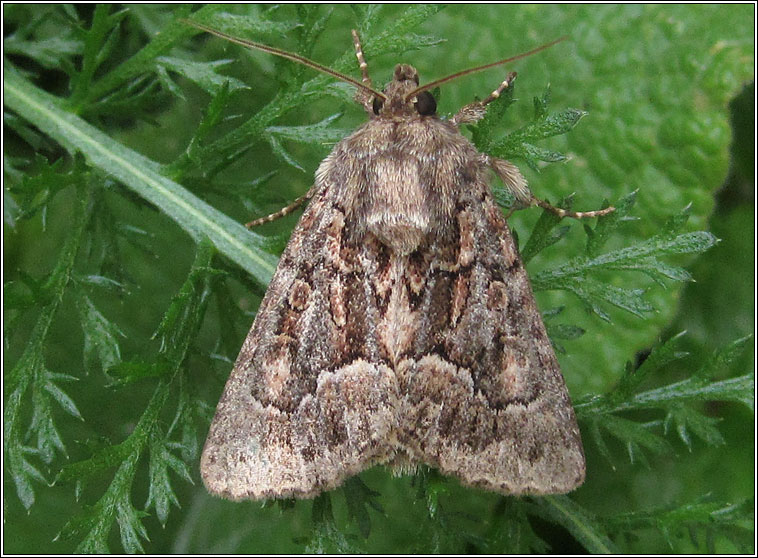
(399,327)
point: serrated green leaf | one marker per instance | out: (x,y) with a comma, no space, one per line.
(183,317)
(161,495)
(541,104)
(699,387)
(686,420)
(659,357)
(204,74)
(635,435)
(313,133)
(212,115)
(593,292)
(696,389)
(547,126)
(96,46)
(126,372)
(320,132)
(248,26)
(487,130)
(515,533)
(142,61)
(66,403)
(43,426)
(279,150)
(30,371)
(710,516)
(105,458)
(608,224)
(359,497)
(100,336)
(40,186)
(95,522)
(723,357)
(23,473)
(326,538)
(47,52)
(398,36)
(131,527)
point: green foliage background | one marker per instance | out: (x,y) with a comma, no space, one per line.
(116,414)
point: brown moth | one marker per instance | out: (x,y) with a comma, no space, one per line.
(400,326)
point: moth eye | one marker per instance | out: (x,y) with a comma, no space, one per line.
(378,104)
(425,104)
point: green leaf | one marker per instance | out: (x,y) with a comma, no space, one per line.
(187,308)
(359,497)
(203,74)
(545,233)
(126,372)
(643,256)
(700,386)
(694,389)
(326,538)
(687,420)
(634,435)
(250,25)
(97,46)
(578,521)
(51,46)
(395,38)
(142,61)
(95,522)
(730,520)
(30,373)
(40,186)
(608,224)
(161,495)
(320,133)
(100,336)
(141,174)
(518,145)
(515,534)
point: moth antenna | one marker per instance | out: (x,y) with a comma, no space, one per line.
(456,75)
(284,54)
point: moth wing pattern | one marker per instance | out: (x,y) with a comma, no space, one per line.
(307,403)
(483,396)
(377,344)
(400,327)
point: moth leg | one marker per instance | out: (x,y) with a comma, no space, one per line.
(560,212)
(473,112)
(516,184)
(281,213)
(362,96)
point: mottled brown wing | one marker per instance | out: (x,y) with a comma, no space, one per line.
(309,401)
(482,395)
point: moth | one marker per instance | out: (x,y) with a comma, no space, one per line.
(400,325)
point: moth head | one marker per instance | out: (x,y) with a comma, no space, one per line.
(398,102)
(403,97)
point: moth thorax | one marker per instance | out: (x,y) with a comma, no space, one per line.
(397,210)
(403,234)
